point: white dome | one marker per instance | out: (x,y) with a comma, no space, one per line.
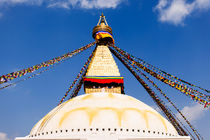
(103,112)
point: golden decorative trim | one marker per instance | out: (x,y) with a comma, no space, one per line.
(93,111)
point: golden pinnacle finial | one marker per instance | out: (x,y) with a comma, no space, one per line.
(102,20)
(102,26)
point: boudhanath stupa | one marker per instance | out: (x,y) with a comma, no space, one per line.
(104,112)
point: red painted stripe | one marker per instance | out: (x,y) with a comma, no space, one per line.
(104,81)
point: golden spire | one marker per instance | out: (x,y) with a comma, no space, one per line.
(102,20)
(103,74)
(102,26)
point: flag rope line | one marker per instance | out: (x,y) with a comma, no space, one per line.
(8,77)
(163,73)
(169,75)
(167,98)
(29,77)
(201,98)
(174,116)
(155,98)
(34,75)
(80,76)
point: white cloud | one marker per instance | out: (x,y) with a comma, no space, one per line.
(100,3)
(193,113)
(59,5)
(86,4)
(18,2)
(3,136)
(202,4)
(65,4)
(176,11)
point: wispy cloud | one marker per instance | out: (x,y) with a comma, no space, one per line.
(176,11)
(87,4)
(18,2)
(61,4)
(65,4)
(193,113)
(3,136)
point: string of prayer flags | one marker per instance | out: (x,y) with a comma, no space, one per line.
(20,73)
(155,98)
(159,71)
(166,97)
(163,73)
(80,76)
(194,94)
(31,76)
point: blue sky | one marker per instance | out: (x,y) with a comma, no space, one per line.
(170,34)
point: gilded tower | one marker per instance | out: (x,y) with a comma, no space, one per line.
(103,73)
